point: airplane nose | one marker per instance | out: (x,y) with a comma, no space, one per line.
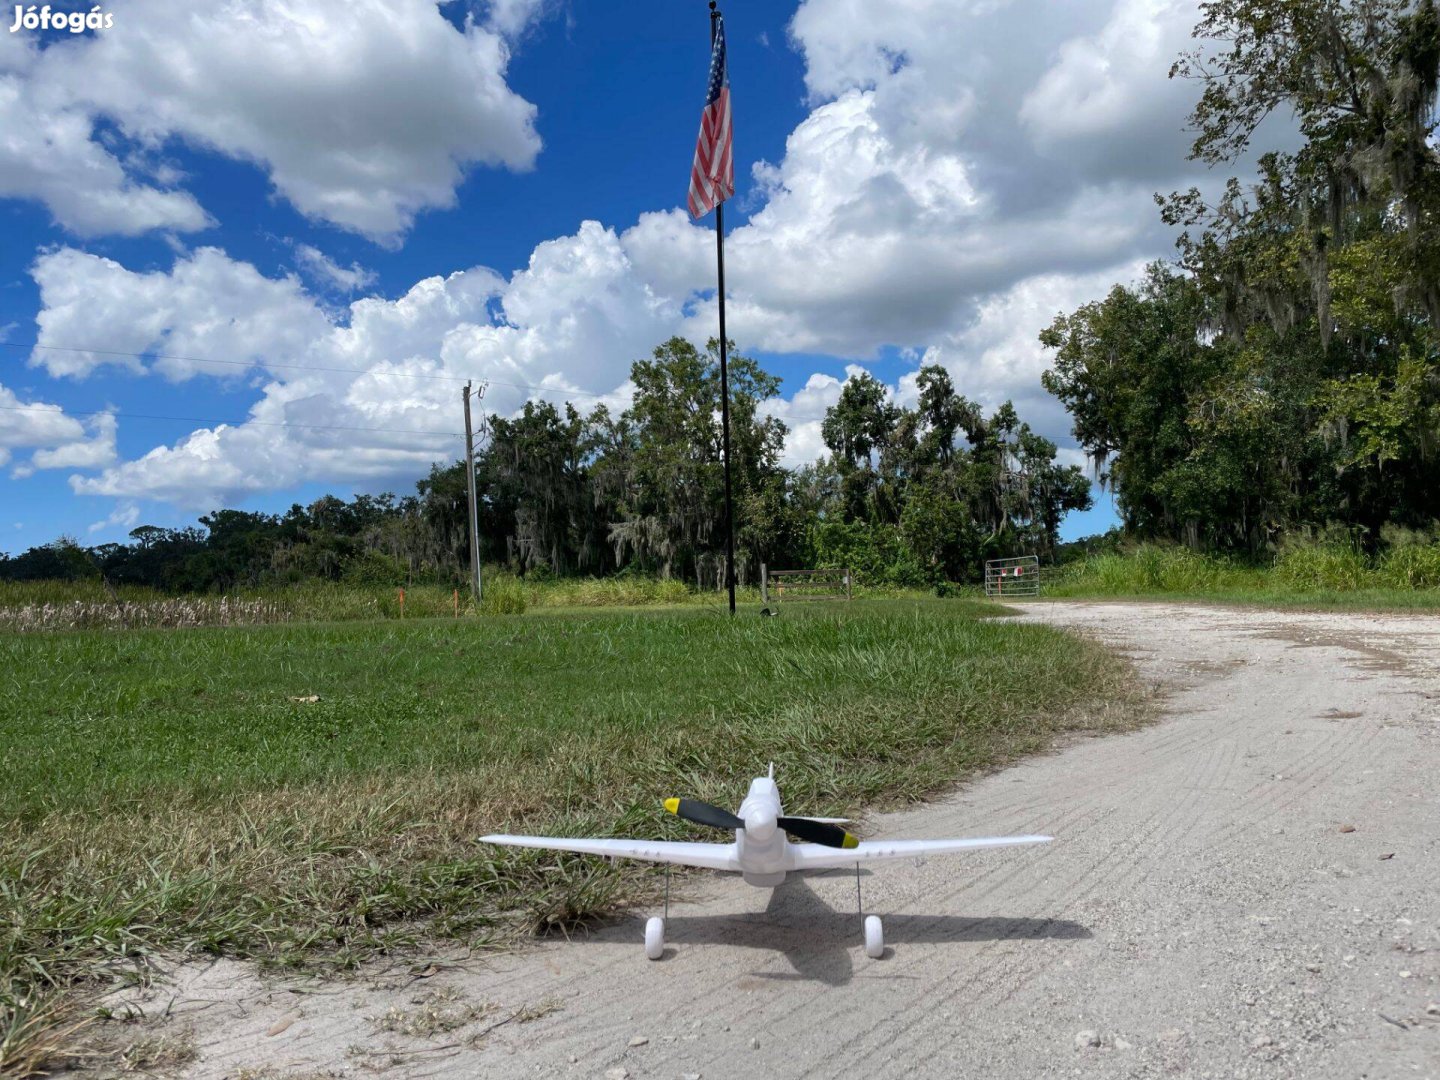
(760,825)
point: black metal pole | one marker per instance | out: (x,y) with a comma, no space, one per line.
(724,376)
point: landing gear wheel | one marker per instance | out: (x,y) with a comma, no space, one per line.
(874,937)
(655,937)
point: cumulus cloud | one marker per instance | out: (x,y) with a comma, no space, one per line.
(803,413)
(89,453)
(207,306)
(380,398)
(48,152)
(362,114)
(1107,102)
(41,426)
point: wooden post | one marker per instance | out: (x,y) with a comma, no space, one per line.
(848,594)
(402,602)
(764,586)
(457,603)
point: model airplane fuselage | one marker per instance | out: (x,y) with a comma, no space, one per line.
(762,852)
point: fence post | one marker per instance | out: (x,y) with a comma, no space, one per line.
(848,594)
(456,599)
(402,602)
(764,586)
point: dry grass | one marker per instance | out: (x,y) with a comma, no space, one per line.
(190,611)
(436,1013)
(157,1053)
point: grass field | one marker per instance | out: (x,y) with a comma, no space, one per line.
(310,793)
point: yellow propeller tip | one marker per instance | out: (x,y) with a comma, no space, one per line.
(850,841)
(673,805)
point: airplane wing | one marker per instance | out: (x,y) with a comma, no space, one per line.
(708,856)
(816,857)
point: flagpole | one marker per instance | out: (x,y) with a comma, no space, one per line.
(724,375)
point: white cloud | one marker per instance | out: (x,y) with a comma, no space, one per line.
(1108,101)
(571,323)
(35,425)
(998,356)
(331,274)
(47,152)
(124,517)
(803,414)
(511,18)
(91,453)
(207,306)
(362,114)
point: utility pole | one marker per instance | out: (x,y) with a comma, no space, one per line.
(475,590)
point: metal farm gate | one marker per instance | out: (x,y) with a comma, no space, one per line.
(833,584)
(1013,577)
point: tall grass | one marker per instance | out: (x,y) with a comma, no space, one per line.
(65,605)
(310,793)
(1326,573)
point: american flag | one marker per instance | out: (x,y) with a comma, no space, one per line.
(712,177)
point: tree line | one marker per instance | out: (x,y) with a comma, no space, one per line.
(1282,377)
(913,496)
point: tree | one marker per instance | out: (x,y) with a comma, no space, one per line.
(1287,375)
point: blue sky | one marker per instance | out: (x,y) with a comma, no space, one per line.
(344,210)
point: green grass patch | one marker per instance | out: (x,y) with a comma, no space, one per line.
(311,792)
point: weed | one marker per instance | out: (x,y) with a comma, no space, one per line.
(434,1014)
(155,1052)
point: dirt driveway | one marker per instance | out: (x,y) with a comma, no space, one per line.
(1251,887)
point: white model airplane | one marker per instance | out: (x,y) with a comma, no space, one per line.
(761,853)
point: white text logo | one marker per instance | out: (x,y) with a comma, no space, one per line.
(77,22)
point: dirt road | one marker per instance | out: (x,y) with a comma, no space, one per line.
(1251,887)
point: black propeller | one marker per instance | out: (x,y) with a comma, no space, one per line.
(817,832)
(702,813)
(812,832)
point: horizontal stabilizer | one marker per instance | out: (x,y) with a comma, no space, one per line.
(816,857)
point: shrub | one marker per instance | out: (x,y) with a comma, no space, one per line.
(1326,566)
(503,595)
(1150,568)
(373,568)
(1412,567)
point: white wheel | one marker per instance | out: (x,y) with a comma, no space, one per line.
(654,937)
(874,937)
